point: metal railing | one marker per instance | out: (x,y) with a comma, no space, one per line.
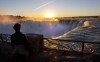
(81,43)
(60,43)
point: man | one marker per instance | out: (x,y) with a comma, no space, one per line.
(19,44)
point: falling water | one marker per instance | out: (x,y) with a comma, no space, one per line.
(47,28)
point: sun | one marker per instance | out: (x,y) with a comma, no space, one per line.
(49,14)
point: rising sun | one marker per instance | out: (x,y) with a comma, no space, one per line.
(49,14)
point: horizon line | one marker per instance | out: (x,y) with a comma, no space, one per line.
(53,17)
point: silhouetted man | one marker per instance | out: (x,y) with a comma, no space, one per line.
(19,44)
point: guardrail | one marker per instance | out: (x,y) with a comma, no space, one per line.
(59,43)
(82,43)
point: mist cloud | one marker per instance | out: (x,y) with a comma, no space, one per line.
(48,29)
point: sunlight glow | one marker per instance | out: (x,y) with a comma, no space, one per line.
(49,14)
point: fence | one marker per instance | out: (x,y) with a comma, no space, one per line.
(67,45)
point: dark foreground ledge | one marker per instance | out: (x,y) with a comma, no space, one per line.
(49,55)
(44,54)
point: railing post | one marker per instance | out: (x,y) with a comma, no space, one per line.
(1,37)
(82,48)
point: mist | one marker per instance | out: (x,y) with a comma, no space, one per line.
(47,28)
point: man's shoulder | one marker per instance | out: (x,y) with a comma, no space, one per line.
(13,34)
(18,34)
(22,34)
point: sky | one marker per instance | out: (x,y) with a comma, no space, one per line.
(60,8)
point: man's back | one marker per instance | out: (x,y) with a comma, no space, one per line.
(18,39)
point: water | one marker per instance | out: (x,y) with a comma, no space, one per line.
(47,28)
(89,33)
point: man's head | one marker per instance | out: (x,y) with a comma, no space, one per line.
(17,27)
